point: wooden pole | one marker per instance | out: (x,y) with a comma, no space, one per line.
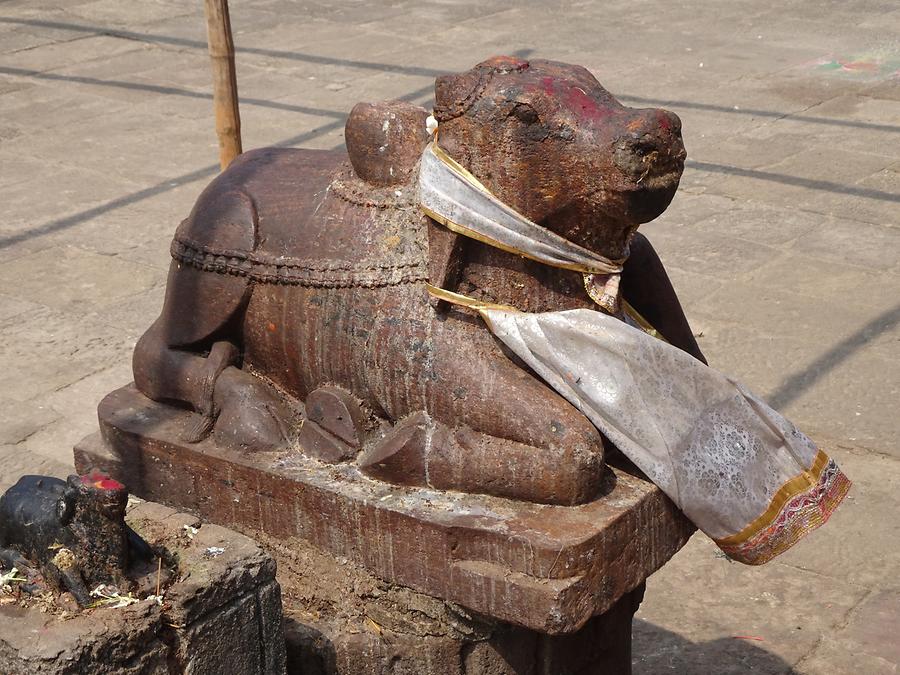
(225,95)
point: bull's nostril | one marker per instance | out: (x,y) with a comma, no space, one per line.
(638,157)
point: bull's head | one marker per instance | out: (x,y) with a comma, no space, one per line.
(551,142)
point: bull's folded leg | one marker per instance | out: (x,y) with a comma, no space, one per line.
(422,452)
(490,426)
(221,356)
(164,373)
(68,578)
(252,415)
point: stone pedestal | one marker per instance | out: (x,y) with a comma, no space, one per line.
(601,647)
(341,620)
(439,582)
(221,615)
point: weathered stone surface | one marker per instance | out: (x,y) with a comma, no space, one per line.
(354,59)
(20,420)
(342,620)
(126,641)
(17,461)
(602,646)
(215,582)
(239,653)
(867,643)
(548,568)
(222,614)
(72,286)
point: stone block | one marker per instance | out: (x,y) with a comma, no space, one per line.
(11,306)
(18,461)
(720,256)
(57,55)
(125,641)
(342,620)
(70,282)
(771,616)
(547,568)
(45,350)
(850,241)
(867,644)
(239,621)
(221,615)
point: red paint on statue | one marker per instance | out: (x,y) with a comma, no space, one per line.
(579,101)
(101,481)
(665,123)
(548,86)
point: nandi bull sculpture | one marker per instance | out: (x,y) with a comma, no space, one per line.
(296,314)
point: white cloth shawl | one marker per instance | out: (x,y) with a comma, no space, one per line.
(454,197)
(738,469)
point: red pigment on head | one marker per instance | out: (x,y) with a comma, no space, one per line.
(101,481)
(579,101)
(548,85)
(665,122)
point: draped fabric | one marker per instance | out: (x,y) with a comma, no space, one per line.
(454,197)
(738,469)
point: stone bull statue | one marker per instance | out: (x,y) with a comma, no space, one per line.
(296,313)
(72,532)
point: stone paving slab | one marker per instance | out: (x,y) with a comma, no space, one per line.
(783,242)
(790,613)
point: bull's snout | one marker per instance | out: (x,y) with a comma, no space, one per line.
(650,152)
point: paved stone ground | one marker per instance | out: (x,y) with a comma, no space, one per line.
(783,242)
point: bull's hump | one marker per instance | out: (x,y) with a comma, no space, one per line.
(300,217)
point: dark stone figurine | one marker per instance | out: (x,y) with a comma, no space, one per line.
(296,315)
(73,532)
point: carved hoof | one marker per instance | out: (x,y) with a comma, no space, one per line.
(334,427)
(252,416)
(403,456)
(336,411)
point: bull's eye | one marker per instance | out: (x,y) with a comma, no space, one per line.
(525,113)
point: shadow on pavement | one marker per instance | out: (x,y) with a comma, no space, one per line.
(167,91)
(656,650)
(798,382)
(420,71)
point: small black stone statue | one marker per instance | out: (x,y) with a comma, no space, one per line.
(70,535)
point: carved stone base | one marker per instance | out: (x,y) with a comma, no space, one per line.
(341,620)
(601,647)
(545,568)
